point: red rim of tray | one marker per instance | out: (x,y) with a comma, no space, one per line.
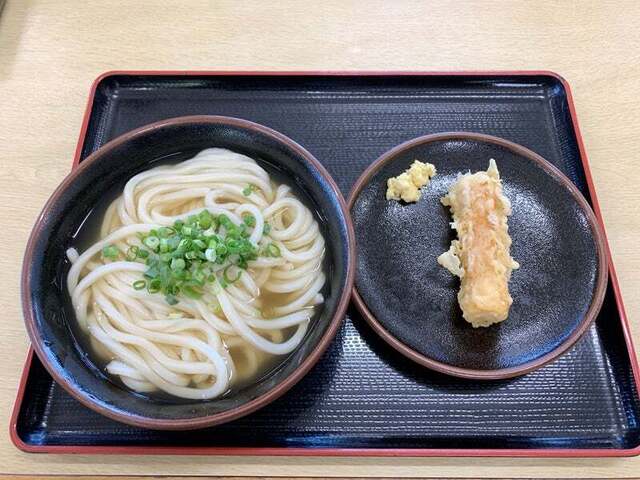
(355,452)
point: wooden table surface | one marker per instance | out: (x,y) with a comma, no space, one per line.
(50,52)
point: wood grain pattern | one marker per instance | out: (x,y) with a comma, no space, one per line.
(50,52)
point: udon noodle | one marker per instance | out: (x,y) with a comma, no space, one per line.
(198,348)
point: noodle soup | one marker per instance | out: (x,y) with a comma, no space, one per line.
(205,275)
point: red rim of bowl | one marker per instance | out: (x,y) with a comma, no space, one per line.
(496,374)
(233,413)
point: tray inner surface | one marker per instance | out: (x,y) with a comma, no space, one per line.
(363,394)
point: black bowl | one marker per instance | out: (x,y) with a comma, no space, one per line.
(411,301)
(46,305)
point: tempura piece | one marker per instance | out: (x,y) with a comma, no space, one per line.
(480,256)
(406,186)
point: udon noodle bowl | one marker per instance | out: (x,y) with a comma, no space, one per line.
(204,273)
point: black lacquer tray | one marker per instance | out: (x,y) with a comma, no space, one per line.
(363,398)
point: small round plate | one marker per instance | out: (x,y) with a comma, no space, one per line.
(411,301)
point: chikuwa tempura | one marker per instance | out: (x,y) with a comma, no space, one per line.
(481,254)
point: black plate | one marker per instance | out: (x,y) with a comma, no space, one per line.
(364,394)
(412,301)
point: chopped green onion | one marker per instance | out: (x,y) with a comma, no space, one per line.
(224,221)
(173,242)
(266,229)
(152,242)
(171,299)
(154,285)
(110,251)
(180,258)
(205,219)
(199,277)
(152,272)
(132,253)
(210,254)
(249,220)
(272,250)
(247,190)
(178,264)
(226,278)
(242,263)
(234,246)
(164,232)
